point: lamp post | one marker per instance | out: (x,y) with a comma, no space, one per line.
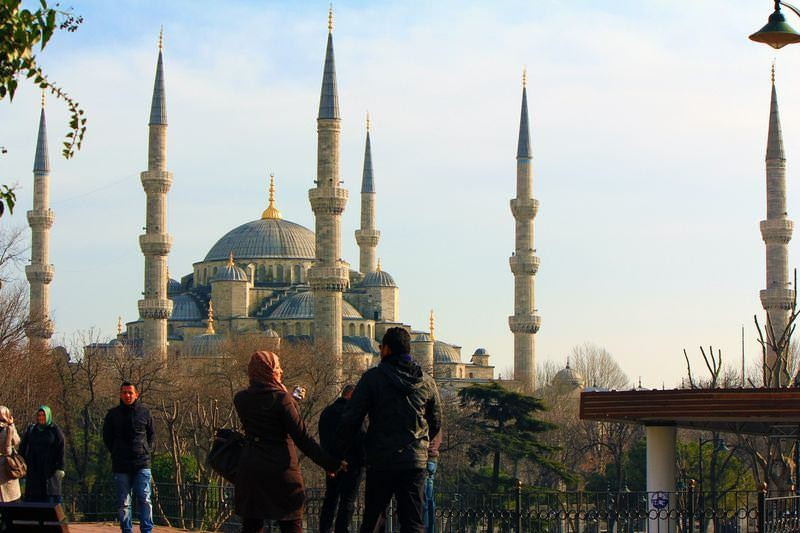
(719,446)
(777,33)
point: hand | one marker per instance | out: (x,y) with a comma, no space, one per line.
(342,467)
(59,475)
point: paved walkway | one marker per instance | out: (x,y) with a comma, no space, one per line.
(109,527)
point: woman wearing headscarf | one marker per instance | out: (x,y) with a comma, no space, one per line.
(269,485)
(9,439)
(43,449)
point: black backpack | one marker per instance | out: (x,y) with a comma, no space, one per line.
(226,450)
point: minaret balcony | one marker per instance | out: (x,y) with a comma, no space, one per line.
(524,208)
(524,323)
(38,218)
(40,329)
(156,181)
(155,308)
(328,200)
(367,237)
(524,264)
(155,244)
(40,273)
(777,231)
(777,298)
(327,278)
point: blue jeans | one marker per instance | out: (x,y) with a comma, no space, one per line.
(139,483)
(429,506)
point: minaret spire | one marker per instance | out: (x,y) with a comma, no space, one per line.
(40,272)
(524,323)
(271,211)
(156,307)
(367,236)
(776,231)
(329,276)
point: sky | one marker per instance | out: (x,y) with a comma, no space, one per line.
(648,127)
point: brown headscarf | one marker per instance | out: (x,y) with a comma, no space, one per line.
(261,369)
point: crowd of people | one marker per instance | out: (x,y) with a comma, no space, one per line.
(386,429)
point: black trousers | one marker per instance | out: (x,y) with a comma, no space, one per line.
(256,525)
(406,486)
(342,490)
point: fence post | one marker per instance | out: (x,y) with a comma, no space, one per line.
(518,506)
(193,491)
(762,509)
(690,507)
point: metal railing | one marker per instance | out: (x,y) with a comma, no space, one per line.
(522,509)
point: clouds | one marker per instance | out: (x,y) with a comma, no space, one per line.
(648,128)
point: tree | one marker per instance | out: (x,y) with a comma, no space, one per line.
(21,31)
(503,423)
(598,367)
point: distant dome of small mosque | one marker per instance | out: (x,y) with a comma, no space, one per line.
(569,378)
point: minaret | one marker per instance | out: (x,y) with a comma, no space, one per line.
(776,231)
(40,271)
(155,307)
(367,236)
(524,323)
(329,275)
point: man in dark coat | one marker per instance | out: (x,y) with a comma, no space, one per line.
(404,408)
(128,434)
(341,489)
(42,447)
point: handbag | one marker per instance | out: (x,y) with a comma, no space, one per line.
(15,465)
(225,452)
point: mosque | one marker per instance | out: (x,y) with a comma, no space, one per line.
(279,282)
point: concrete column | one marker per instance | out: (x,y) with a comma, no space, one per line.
(661,442)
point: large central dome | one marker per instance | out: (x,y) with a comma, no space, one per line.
(265,238)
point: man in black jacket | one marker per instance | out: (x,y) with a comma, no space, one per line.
(341,488)
(128,434)
(404,409)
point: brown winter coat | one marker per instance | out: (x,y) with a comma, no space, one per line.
(9,488)
(269,483)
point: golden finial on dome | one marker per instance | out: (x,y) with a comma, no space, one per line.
(378,267)
(119,325)
(271,212)
(772,76)
(432,323)
(161,39)
(330,18)
(369,123)
(524,77)
(210,322)
(230,259)
(43,95)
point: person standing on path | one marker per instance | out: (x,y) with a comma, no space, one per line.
(42,447)
(128,434)
(429,508)
(341,489)
(9,439)
(404,409)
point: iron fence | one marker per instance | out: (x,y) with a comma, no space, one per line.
(523,509)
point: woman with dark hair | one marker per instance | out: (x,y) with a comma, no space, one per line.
(43,449)
(269,484)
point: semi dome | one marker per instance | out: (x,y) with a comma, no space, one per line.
(230,272)
(207,344)
(445,353)
(265,238)
(301,305)
(184,307)
(421,337)
(379,278)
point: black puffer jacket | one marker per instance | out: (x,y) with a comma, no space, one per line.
(329,422)
(404,410)
(128,434)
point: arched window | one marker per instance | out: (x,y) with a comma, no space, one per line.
(361,330)
(298,328)
(352,329)
(279,273)
(298,273)
(261,273)
(285,329)
(214,272)
(310,328)
(205,276)
(369,331)
(270,276)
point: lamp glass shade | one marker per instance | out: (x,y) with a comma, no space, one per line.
(776,33)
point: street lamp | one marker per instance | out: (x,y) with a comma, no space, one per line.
(777,33)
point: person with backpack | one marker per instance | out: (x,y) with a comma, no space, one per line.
(42,447)
(9,439)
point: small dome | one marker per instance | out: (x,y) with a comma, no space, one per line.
(568,377)
(230,272)
(481,351)
(421,337)
(208,344)
(185,308)
(446,353)
(271,333)
(301,305)
(379,278)
(359,345)
(173,286)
